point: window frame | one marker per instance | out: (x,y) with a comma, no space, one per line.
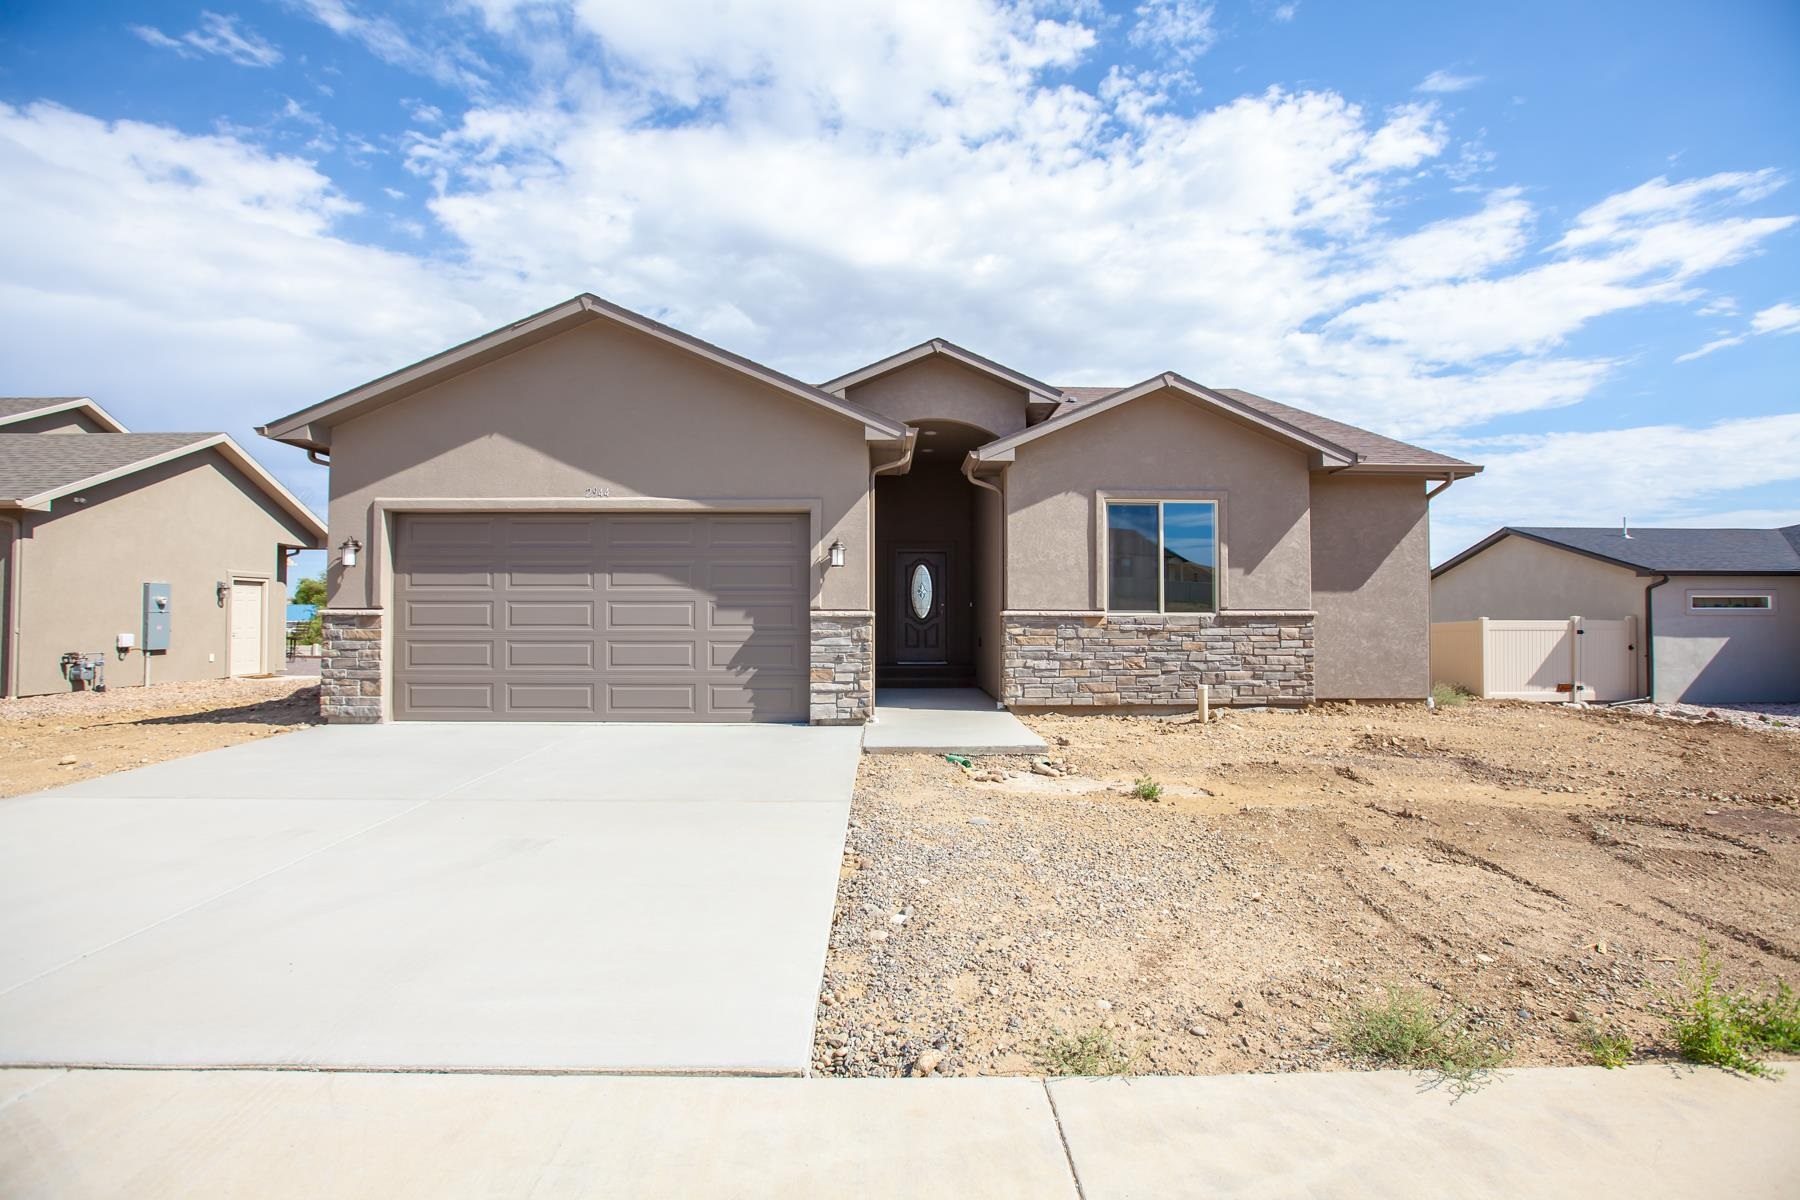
(1694,595)
(1158,500)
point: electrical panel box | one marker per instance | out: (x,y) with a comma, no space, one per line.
(156,616)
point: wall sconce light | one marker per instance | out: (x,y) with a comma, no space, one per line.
(348,551)
(220,588)
(837,553)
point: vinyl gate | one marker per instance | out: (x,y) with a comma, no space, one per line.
(1573,659)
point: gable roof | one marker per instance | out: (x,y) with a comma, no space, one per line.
(1663,551)
(1329,454)
(14,409)
(37,468)
(1038,389)
(1369,451)
(311,427)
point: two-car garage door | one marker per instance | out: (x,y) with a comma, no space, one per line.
(589,617)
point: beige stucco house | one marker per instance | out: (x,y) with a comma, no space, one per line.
(1717,610)
(589,515)
(91,514)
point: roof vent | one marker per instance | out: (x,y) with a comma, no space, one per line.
(1625,526)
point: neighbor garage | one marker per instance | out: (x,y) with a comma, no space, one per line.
(601,617)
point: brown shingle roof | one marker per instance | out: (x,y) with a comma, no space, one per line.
(1371,449)
(34,463)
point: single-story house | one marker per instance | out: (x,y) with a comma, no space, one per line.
(589,515)
(162,557)
(1717,611)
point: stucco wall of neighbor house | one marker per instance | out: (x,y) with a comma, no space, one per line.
(1157,444)
(940,389)
(1725,657)
(1517,579)
(602,409)
(68,421)
(192,523)
(1371,578)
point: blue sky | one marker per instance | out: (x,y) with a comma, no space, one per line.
(1556,239)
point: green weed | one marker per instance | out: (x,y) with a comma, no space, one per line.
(1408,1029)
(1095,1052)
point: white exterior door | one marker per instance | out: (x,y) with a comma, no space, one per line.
(246,627)
(1608,659)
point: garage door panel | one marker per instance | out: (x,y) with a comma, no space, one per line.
(647,617)
(550,655)
(426,655)
(448,614)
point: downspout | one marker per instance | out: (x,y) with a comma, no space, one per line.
(902,463)
(321,457)
(1650,640)
(1440,487)
(9,608)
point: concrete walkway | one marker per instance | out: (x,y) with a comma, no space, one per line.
(945,721)
(491,897)
(1645,1133)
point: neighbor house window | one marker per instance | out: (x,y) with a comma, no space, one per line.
(1162,556)
(1730,601)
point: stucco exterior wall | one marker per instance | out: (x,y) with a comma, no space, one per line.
(602,409)
(68,421)
(939,389)
(1371,578)
(1517,579)
(1158,444)
(990,627)
(190,523)
(1722,657)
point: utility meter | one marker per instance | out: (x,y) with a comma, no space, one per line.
(156,616)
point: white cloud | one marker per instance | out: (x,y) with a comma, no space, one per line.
(1440,81)
(1653,474)
(217,35)
(1777,318)
(450,62)
(1181,29)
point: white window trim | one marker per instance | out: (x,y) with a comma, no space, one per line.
(1694,594)
(1159,499)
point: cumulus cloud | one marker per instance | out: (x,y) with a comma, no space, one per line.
(816,187)
(1180,29)
(223,36)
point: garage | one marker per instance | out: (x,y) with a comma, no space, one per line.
(601,617)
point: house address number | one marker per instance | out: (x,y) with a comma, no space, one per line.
(596,493)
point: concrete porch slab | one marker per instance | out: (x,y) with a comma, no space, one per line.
(945,721)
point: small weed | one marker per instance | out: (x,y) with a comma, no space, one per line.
(1147,788)
(1450,695)
(1727,1029)
(1608,1047)
(1409,1030)
(1095,1052)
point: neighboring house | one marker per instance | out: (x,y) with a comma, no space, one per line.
(1717,610)
(589,515)
(88,520)
(55,414)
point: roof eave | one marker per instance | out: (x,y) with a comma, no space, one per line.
(1044,393)
(85,404)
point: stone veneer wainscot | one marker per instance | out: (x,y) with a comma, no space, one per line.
(843,667)
(1068,659)
(350,666)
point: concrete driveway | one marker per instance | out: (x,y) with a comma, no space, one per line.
(624,898)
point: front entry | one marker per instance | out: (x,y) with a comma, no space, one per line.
(921,630)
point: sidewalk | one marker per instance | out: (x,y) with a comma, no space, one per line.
(1647,1131)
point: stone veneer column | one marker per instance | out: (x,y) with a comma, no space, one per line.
(843,667)
(350,667)
(1150,659)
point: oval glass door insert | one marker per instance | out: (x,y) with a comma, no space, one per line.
(921,592)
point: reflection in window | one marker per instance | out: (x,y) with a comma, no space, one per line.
(1162,556)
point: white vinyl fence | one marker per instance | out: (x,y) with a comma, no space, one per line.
(1573,659)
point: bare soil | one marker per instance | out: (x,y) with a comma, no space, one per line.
(1542,867)
(47,741)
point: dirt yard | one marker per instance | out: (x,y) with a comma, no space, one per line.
(47,741)
(1541,866)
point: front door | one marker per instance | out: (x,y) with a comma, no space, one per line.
(919,607)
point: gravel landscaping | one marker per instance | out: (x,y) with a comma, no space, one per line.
(1549,869)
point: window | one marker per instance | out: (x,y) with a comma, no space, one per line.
(1730,601)
(1162,556)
